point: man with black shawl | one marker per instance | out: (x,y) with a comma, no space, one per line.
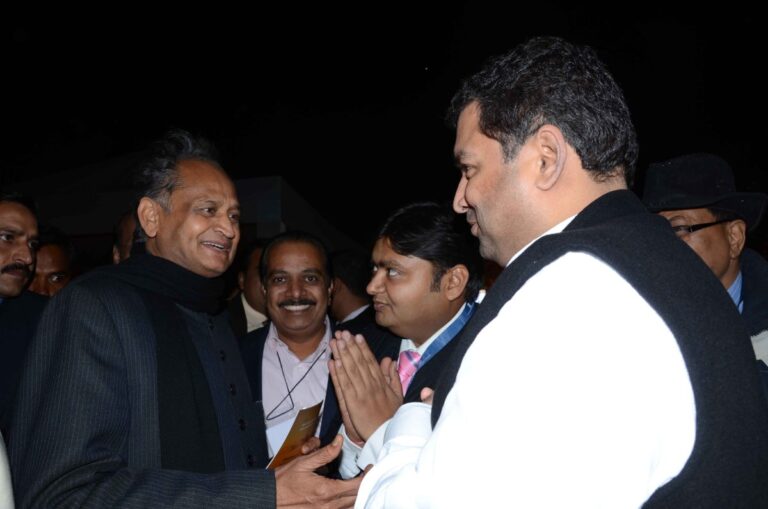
(134,393)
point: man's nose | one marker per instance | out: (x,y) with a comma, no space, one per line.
(24,254)
(227,227)
(374,285)
(460,205)
(296,287)
(40,285)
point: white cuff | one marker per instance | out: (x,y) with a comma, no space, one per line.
(349,454)
(372,447)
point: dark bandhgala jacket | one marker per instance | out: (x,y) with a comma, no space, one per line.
(728,466)
(19,317)
(87,428)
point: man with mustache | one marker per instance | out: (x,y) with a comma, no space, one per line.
(287,361)
(135,394)
(20,309)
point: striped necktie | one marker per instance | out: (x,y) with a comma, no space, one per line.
(407,365)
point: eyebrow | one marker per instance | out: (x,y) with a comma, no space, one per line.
(304,271)
(16,231)
(461,155)
(203,199)
(388,263)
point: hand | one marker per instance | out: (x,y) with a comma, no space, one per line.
(298,485)
(368,393)
(426,395)
(311,445)
(349,428)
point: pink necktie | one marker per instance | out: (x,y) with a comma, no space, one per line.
(407,365)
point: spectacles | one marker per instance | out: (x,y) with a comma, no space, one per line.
(685,229)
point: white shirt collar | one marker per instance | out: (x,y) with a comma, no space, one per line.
(355,313)
(253,319)
(407,344)
(274,341)
(559,227)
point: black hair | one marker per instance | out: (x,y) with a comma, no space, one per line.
(21,199)
(246,253)
(52,236)
(295,236)
(353,267)
(547,80)
(158,176)
(721,214)
(435,233)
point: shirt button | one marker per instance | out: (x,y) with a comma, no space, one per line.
(241,422)
(222,355)
(232,389)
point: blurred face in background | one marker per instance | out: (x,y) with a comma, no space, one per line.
(53,270)
(18,242)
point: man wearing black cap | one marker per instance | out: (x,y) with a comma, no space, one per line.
(697,194)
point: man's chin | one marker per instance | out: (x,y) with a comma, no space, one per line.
(382,320)
(210,271)
(11,289)
(488,251)
(217,267)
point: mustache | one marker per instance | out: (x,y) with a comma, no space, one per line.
(297,302)
(16,266)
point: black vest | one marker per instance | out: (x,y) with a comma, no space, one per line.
(728,466)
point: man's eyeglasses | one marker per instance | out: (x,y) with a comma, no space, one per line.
(685,229)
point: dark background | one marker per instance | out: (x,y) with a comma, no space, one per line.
(347,103)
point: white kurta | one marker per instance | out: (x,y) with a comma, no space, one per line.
(575,395)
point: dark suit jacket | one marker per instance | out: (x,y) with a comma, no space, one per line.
(381,342)
(754,291)
(237,316)
(18,320)
(428,374)
(252,350)
(91,438)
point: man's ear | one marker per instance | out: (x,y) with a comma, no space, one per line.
(454,282)
(336,285)
(737,237)
(550,145)
(149,216)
